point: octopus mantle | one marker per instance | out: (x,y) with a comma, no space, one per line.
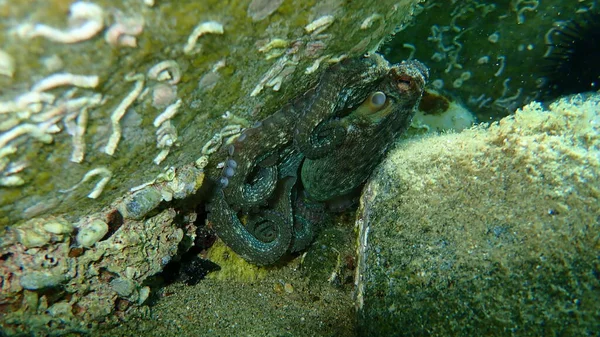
(321,146)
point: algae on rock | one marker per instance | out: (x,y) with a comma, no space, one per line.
(487,232)
(119,65)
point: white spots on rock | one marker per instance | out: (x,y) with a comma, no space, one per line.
(438,84)
(167,70)
(274,76)
(78,132)
(163,95)
(368,22)
(208,27)
(208,81)
(494,37)
(32,130)
(64,79)
(319,25)
(86,19)
(412,49)
(215,143)
(501,63)
(290,53)
(166,135)
(274,48)
(483,60)
(105,175)
(316,64)
(260,9)
(11,181)
(464,76)
(522,6)
(52,63)
(124,31)
(35,233)
(234,119)
(7,64)
(90,232)
(338,58)
(169,112)
(506,101)
(120,111)
(37,115)
(27,103)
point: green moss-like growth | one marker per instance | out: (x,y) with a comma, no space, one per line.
(217,75)
(233,267)
(490,232)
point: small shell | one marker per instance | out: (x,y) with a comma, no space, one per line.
(92,233)
(141,203)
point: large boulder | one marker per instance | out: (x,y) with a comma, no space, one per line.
(492,231)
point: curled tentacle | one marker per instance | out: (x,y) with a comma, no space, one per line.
(265,227)
(317,131)
(249,176)
(307,215)
(244,242)
(323,139)
(267,235)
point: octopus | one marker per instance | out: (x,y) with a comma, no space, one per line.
(280,174)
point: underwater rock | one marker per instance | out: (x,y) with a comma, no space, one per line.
(492,231)
(38,282)
(101,96)
(112,110)
(91,233)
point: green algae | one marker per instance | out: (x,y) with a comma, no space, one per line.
(167,26)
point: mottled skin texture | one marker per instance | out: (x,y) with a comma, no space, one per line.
(323,145)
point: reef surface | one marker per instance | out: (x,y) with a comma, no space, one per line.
(491,231)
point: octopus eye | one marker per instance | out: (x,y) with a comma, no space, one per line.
(375,103)
(377,100)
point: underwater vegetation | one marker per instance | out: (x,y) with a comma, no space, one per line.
(491,55)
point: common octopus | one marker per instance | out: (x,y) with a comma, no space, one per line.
(280,173)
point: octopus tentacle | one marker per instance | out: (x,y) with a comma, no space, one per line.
(317,132)
(307,215)
(269,234)
(250,173)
